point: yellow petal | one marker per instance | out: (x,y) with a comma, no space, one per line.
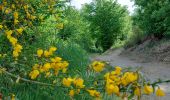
(160,92)
(39,52)
(71,93)
(148,89)
(137,91)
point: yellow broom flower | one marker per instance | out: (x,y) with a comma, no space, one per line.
(94,93)
(79,83)
(110,89)
(67,82)
(160,92)
(39,52)
(71,93)
(137,91)
(34,74)
(148,89)
(20,30)
(98,66)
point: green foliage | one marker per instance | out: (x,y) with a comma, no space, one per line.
(97,26)
(109,22)
(76,29)
(136,38)
(153,17)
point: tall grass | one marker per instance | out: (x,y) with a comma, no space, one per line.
(75,55)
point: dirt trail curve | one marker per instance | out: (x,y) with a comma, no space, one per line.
(153,70)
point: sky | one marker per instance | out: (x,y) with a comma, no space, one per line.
(128,3)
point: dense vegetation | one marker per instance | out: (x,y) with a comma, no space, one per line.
(44,46)
(109,22)
(76,29)
(153,17)
(97,26)
(103,24)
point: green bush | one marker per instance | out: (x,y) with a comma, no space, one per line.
(135,38)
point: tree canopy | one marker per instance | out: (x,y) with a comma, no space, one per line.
(153,16)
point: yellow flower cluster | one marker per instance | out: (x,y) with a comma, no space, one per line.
(72,92)
(20,31)
(34,74)
(116,80)
(56,64)
(128,78)
(98,66)
(94,93)
(17,16)
(46,53)
(148,90)
(78,83)
(67,81)
(113,81)
(7,7)
(14,41)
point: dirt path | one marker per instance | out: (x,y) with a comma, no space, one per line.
(153,70)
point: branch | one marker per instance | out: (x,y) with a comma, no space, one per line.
(23,79)
(158,82)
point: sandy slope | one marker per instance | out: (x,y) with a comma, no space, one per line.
(153,70)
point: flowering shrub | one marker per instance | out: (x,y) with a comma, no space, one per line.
(48,69)
(118,82)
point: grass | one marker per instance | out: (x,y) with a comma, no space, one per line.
(75,55)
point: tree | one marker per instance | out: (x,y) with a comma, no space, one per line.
(108,22)
(153,17)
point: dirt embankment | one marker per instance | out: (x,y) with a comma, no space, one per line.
(150,51)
